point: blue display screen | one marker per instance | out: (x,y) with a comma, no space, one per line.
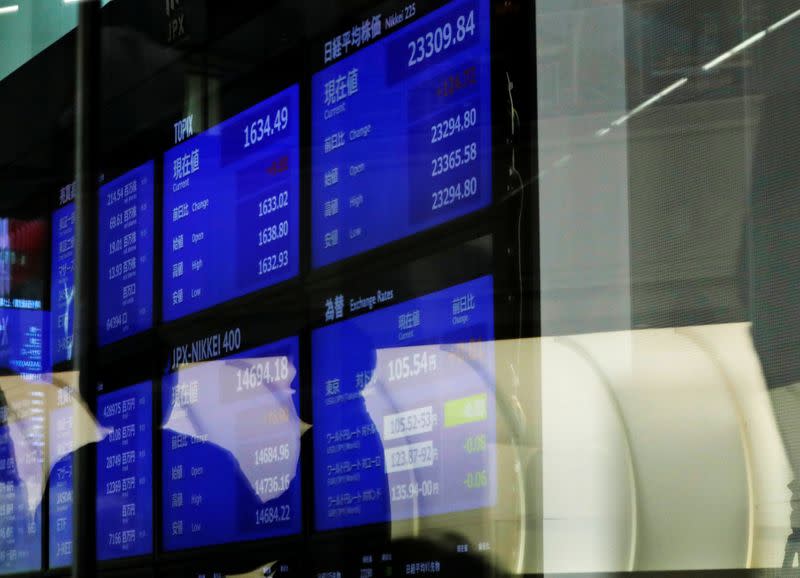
(401,130)
(60,451)
(231,446)
(21,475)
(125,473)
(62,283)
(404,406)
(23,342)
(231,207)
(125,260)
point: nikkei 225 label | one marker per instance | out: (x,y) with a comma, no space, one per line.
(231,208)
(402,133)
(125,276)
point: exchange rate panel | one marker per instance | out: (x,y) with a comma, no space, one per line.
(231,208)
(231,443)
(404,413)
(125,473)
(401,128)
(125,260)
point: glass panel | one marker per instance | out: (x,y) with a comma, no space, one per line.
(667,261)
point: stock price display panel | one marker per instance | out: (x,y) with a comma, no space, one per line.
(21,490)
(125,277)
(231,208)
(401,128)
(62,276)
(231,442)
(125,473)
(404,415)
(60,450)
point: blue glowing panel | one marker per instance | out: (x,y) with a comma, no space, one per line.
(60,451)
(125,473)
(404,412)
(125,275)
(231,449)
(21,475)
(401,132)
(231,207)
(62,283)
(23,342)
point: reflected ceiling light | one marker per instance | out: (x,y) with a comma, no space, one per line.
(706,67)
(783,21)
(752,40)
(621,120)
(735,50)
(650,101)
(9,9)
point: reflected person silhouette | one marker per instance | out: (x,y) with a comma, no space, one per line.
(352,487)
(215,480)
(404,410)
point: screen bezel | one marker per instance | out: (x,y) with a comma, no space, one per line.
(500,157)
(264,325)
(458,264)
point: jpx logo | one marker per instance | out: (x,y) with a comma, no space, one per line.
(176,28)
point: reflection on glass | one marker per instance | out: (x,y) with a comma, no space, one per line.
(668,223)
(61,446)
(774,239)
(231,448)
(21,475)
(48,408)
